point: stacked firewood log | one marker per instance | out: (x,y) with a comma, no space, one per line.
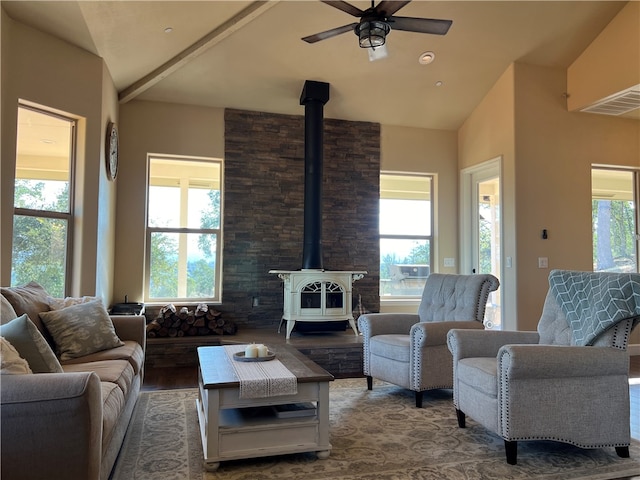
(204,320)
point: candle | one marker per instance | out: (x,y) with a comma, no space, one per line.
(251,351)
(263,351)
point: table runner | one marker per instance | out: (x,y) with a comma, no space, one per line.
(261,379)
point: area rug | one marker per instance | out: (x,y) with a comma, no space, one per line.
(377,434)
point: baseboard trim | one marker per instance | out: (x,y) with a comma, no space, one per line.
(634,349)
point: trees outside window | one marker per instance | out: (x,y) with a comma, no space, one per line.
(184,229)
(614,220)
(406,213)
(43,198)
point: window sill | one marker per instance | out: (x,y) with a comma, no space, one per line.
(399,305)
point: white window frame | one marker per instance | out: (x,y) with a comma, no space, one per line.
(217,298)
(390,299)
(67,216)
(635,194)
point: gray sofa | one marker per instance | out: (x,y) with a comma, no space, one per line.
(70,424)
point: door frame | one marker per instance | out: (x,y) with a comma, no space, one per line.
(469,178)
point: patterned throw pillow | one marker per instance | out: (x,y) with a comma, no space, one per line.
(60,303)
(31,345)
(11,363)
(81,329)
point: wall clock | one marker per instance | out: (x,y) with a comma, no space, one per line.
(111,147)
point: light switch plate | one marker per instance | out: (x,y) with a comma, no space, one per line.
(449,262)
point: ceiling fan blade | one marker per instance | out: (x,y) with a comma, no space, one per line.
(329,33)
(345,7)
(420,25)
(389,7)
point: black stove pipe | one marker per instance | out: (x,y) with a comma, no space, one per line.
(314,96)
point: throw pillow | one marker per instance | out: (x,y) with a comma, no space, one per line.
(6,310)
(30,299)
(60,303)
(31,345)
(11,363)
(81,329)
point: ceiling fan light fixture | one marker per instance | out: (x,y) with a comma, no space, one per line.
(372,34)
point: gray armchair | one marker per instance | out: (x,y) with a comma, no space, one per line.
(410,350)
(566,382)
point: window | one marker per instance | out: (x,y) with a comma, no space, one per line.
(184,229)
(43,200)
(406,217)
(614,218)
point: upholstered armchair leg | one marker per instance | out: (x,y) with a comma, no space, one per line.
(419,399)
(369,382)
(511,449)
(622,452)
(461,418)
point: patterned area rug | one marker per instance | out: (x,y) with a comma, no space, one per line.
(377,434)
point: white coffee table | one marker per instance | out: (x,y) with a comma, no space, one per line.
(233,428)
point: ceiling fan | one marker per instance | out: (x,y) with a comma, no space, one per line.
(377,21)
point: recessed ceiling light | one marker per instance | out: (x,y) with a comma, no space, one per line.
(168,30)
(48,141)
(439,83)
(426,58)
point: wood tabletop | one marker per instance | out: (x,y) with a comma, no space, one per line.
(217,371)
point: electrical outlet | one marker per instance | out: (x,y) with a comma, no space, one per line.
(543,262)
(255,302)
(449,262)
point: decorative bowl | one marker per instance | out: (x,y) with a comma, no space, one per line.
(239,356)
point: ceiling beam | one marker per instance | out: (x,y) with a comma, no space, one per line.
(214,37)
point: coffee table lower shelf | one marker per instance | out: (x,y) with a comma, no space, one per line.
(233,428)
(257,432)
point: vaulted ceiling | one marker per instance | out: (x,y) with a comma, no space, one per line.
(249,55)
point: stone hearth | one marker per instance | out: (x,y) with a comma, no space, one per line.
(340,353)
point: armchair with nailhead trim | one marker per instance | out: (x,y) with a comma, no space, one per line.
(410,350)
(568,381)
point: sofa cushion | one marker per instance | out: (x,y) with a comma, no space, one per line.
(30,299)
(113,401)
(11,363)
(119,372)
(7,313)
(130,351)
(81,329)
(31,345)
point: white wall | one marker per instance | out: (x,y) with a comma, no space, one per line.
(610,64)
(555,150)
(45,71)
(161,128)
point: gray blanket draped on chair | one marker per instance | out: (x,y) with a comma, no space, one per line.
(593,303)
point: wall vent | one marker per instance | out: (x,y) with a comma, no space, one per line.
(618,103)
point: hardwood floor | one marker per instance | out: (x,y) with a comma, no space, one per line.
(168,378)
